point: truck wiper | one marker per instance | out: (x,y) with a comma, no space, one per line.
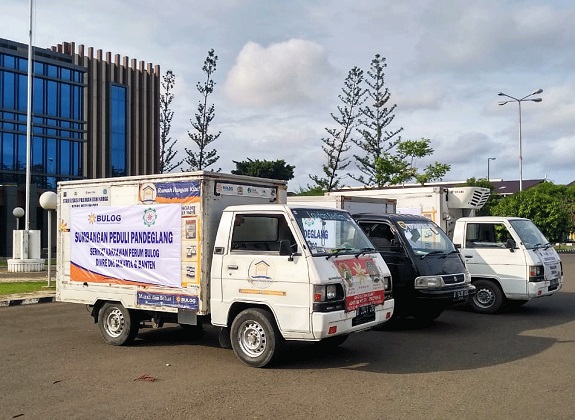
(364,251)
(547,245)
(336,251)
(537,246)
(432,252)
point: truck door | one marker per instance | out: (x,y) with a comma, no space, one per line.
(388,244)
(258,268)
(488,253)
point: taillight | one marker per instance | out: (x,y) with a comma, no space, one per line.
(536,273)
(328,297)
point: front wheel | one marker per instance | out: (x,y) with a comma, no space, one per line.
(488,297)
(255,337)
(117,324)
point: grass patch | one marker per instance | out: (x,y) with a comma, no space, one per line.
(11,288)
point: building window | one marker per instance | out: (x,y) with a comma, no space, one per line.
(57,123)
(118,135)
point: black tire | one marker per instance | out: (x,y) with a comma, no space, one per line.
(255,337)
(118,325)
(488,297)
(332,342)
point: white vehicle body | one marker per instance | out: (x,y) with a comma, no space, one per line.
(187,248)
(352,204)
(510,252)
(441,204)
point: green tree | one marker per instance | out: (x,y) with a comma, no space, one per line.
(167,144)
(376,141)
(337,144)
(276,169)
(547,205)
(310,191)
(408,151)
(203,158)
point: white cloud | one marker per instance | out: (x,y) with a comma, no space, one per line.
(282,73)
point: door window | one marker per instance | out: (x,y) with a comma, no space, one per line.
(486,235)
(260,233)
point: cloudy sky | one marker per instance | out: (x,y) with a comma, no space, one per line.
(282,65)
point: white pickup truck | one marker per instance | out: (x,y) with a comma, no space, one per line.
(509,259)
(209,247)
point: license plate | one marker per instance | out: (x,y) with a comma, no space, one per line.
(460,294)
(365,310)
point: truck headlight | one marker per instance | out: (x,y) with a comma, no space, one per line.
(426,282)
(330,292)
(387,283)
(536,273)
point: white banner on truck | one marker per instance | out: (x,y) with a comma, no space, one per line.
(127,245)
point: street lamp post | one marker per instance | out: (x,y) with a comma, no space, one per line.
(488,159)
(524,99)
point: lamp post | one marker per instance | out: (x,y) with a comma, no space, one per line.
(524,99)
(488,159)
(49,201)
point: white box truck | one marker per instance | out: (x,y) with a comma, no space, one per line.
(509,259)
(352,204)
(440,204)
(210,247)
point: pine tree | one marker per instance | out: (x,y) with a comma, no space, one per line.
(376,141)
(337,144)
(167,152)
(203,158)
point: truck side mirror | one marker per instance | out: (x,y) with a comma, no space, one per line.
(510,244)
(286,248)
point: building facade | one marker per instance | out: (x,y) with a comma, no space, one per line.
(92,117)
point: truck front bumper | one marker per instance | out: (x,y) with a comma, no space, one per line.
(328,324)
(543,288)
(447,295)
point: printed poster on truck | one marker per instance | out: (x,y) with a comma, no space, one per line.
(188,195)
(358,291)
(126,245)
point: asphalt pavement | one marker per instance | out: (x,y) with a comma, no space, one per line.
(41,296)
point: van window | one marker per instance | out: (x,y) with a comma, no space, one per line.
(486,235)
(379,234)
(260,232)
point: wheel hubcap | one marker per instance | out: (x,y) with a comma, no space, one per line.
(484,298)
(252,338)
(115,322)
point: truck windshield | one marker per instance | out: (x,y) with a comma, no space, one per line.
(425,238)
(529,234)
(329,232)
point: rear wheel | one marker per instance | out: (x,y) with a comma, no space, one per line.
(118,325)
(255,337)
(488,297)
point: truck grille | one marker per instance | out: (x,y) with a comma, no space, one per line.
(454,278)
